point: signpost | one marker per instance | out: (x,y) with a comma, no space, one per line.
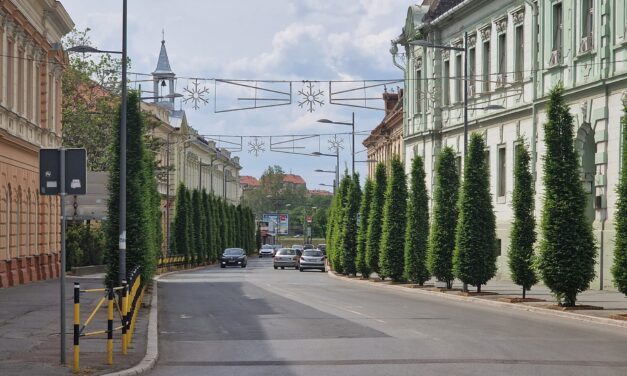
(62,172)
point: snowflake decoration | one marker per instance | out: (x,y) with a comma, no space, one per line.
(335,143)
(310,96)
(195,94)
(256,146)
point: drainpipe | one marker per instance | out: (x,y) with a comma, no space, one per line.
(534,80)
(394,52)
(603,212)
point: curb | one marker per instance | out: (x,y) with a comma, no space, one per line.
(516,307)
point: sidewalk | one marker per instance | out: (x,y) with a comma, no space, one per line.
(29,330)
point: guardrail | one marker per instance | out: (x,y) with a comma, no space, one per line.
(167,264)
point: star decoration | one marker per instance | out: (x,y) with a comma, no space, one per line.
(256,146)
(196,94)
(335,143)
(310,96)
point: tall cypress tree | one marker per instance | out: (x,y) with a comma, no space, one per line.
(523,235)
(349,226)
(190,257)
(474,259)
(392,247)
(362,234)
(338,231)
(619,268)
(442,234)
(199,228)
(567,248)
(218,217)
(209,227)
(375,219)
(417,229)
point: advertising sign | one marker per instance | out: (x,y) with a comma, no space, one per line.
(50,172)
(277,223)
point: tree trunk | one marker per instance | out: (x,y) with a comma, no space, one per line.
(524,290)
(478,288)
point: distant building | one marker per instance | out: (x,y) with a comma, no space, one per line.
(247,182)
(319,192)
(31,68)
(386,140)
(293,181)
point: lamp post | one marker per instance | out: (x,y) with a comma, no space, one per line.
(337,164)
(329,172)
(352,124)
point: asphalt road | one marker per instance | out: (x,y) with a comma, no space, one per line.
(261,321)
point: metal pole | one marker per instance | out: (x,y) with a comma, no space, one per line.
(122,232)
(211,174)
(62,271)
(465,107)
(224,182)
(353,133)
(337,170)
(167,197)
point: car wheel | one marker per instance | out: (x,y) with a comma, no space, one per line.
(260,256)
(243,266)
(301,269)
(296,267)
(222,266)
(282,267)
(322,270)
(276,267)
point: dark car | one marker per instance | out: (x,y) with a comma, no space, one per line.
(233,257)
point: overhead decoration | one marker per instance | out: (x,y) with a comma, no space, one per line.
(195,94)
(335,144)
(256,146)
(310,96)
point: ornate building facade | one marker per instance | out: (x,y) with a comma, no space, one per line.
(386,140)
(31,65)
(517,51)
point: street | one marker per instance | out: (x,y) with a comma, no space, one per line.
(260,321)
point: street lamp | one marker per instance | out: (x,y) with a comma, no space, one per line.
(337,164)
(352,124)
(329,172)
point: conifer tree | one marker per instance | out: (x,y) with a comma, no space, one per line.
(474,258)
(218,216)
(444,222)
(199,228)
(375,219)
(362,233)
(523,235)
(190,258)
(391,258)
(180,240)
(338,232)
(349,227)
(417,229)
(567,247)
(619,268)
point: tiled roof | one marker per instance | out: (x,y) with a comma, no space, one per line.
(319,192)
(438,8)
(250,181)
(294,179)
(163,64)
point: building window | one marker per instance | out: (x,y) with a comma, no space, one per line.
(486,159)
(556,54)
(519,49)
(29,88)
(418,91)
(20,82)
(502,51)
(471,71)
(588,18)
(10,65)
(486,66)
(498,247)
(458,78)
(446,83)
(502,172)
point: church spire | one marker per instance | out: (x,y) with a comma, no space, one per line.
(163,64)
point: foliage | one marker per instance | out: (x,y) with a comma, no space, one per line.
(567,248)
(417,229)
(198,243)
(334,245)
(349,227)
(375,219)
(180,234)
(474,258)
(84,244)
(391,259)
(523,235)
(619,268)
(362,234)
(442,234)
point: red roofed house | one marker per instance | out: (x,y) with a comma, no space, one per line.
(248,182)
(293,180)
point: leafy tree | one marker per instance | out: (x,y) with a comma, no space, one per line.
(442,234)
(198,222)
(567,248)
(417,229)
(474,258)
(619,268)
(362,234)
(375,219)
(349,227)
(523,235)
(391,258)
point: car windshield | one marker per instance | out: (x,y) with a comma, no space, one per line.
(286,251)
(313,253)
(234,252)
(266,246)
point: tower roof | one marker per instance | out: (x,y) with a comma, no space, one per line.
(163,65)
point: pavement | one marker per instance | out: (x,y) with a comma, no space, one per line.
(260,321)
(30,325)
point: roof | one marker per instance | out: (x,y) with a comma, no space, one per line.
(319,192)
(250,181)
(438,8)
(163,64)
(294,179)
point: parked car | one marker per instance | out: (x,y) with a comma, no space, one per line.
(234,257)
(276,247)
(312,259)
(323,248)
(286,257)
(308,246)
(299,248)
(266,250)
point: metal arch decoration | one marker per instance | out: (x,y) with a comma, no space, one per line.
(359,94)
(196,94)
(290,144)
(310,96)
(335,144)
(226,142)
(256,146)
(271,94)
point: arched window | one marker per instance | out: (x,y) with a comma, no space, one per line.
(18,223)
(5,228)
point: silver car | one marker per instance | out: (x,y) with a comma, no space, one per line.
(266,250)
(286,257)
(312,259)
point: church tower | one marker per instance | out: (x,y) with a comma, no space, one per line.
(163,79)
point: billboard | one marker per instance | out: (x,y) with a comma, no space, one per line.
(276,222)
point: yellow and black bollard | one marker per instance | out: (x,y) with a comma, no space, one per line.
(124,310)
(77,324)
(110,326)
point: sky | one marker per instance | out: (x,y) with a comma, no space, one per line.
(282,40)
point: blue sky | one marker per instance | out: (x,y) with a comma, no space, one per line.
(295,40)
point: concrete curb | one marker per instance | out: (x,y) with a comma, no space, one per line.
(512,306)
